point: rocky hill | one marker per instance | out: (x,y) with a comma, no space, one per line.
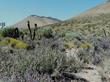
(34,19)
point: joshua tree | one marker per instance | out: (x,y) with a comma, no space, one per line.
(32,35)
(29,29)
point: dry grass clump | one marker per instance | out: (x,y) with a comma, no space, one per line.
(14,43)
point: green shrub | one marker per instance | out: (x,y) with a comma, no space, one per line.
(10,32)
(45,32)
(71,36)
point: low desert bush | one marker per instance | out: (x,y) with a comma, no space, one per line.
(69,36)
(45,32)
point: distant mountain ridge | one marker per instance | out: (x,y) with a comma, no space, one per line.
(34,19)
(46,17)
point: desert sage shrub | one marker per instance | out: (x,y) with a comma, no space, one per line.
(96,51)
(42,61)
(102,47)
(100,43)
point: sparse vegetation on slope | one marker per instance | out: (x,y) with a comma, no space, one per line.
(56,51)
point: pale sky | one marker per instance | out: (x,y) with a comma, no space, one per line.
(12,11)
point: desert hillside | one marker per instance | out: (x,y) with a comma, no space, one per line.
(93,22)
(34,19)
(75,50)
(100,9)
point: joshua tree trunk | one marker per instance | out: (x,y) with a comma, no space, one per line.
(29,29)
(32,35)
